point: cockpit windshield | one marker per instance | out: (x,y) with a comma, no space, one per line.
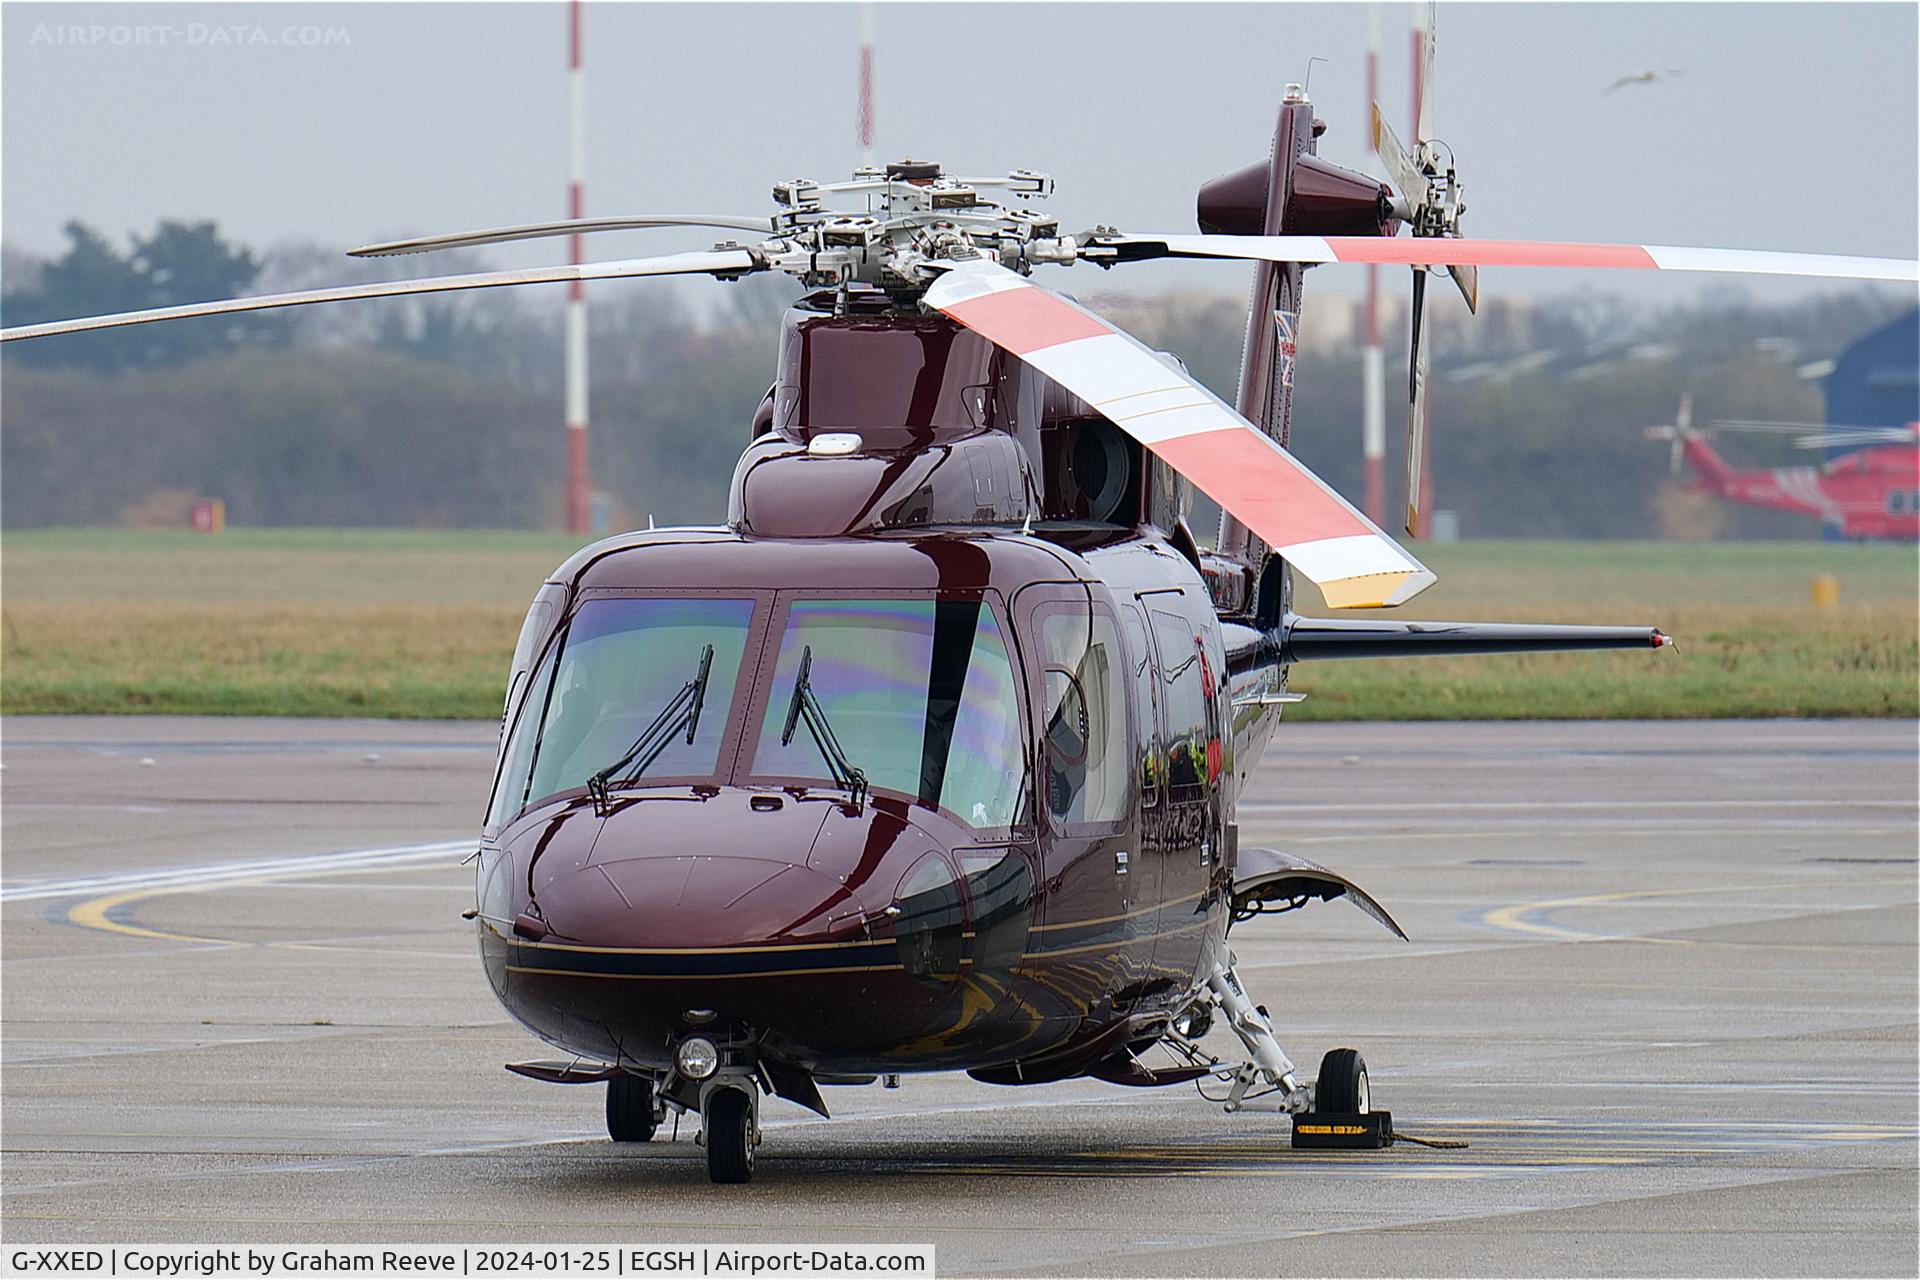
(619,664)
(921,698)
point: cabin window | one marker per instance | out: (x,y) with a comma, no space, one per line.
(1144,679)
(920,695)
(621,663)
(1187,682)
(1084,714)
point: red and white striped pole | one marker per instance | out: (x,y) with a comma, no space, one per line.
(579,485)
(1419,44)
(1373,441)
(865,120)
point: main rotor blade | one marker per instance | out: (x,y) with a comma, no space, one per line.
(1801,428)
(717,262)
(1852,439)
(568,227)
(1266,488)
(1445,251)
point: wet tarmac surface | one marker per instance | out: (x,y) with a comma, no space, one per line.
(1662,979)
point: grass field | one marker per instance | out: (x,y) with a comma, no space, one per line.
(421,624)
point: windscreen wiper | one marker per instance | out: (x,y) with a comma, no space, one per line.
(684,709)
(805,706)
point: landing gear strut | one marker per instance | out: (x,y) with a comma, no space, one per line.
(1334,1112)
(1268,1060)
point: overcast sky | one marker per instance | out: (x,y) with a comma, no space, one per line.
(1790,126)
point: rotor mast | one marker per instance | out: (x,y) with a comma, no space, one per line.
(579,485)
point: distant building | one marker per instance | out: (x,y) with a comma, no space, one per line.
(1876,381)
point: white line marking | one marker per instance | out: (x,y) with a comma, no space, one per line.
(1549,806)
(232,872)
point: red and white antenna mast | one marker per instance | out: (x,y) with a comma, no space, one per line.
(1373,440)
(579,485)
(866,86)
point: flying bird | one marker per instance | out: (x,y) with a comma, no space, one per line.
(1641,77)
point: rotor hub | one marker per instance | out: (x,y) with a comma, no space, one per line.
(890,226)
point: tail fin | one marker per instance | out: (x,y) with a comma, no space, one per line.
(1711,471)
(1291,192)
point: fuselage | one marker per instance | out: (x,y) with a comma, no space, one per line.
(1869,493)
(1044,847)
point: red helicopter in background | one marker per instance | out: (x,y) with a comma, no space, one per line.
(926,758)
(1869,492)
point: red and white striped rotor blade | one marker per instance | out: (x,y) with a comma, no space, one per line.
(717,262)
(1443,251)
(1266,488)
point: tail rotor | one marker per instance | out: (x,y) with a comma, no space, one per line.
(1676,434)
(1431,202)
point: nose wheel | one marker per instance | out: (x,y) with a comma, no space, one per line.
(729,1131)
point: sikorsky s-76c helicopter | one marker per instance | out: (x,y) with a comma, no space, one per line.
(926,759)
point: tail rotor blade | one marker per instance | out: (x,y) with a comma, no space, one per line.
(1468,278)
(725,262)
(1682,428)
(1416,404)
(1400,167)
(1424,120)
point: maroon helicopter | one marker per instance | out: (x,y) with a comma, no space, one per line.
(926,759)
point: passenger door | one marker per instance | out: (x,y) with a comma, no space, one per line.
(1096,885)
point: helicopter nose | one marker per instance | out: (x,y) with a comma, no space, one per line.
(726,872)
(698,902)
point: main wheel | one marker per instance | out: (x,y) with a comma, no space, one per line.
(630,1109)
(1342,1087)
(729,1136)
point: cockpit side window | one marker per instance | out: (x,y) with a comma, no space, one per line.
(510,788)
(539,621)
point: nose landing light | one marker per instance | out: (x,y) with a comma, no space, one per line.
(696,1058)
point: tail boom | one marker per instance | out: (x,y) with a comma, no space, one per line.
(1299,639)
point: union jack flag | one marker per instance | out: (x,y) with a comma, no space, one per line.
(1285,324)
